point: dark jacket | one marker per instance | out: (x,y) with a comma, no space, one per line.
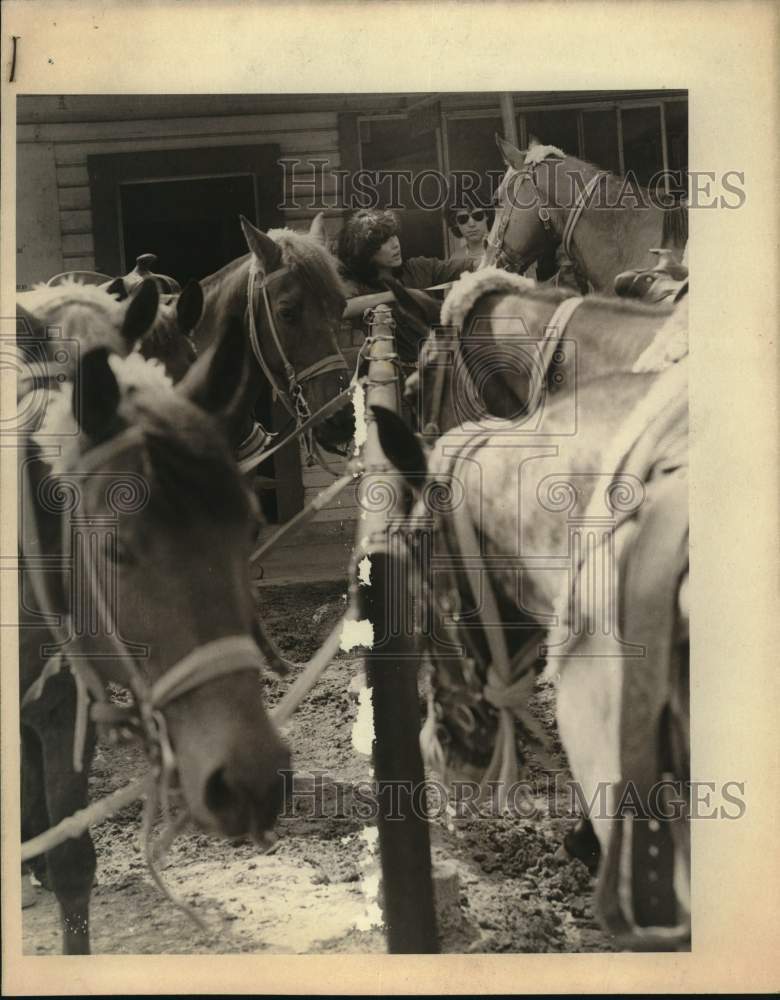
(417,272)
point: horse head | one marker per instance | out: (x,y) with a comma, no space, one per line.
(523,229)
(298,301)
(169,577)
(56,324)
(170,339)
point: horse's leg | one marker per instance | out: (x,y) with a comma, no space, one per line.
(582,844)
(72,864)
(35,816)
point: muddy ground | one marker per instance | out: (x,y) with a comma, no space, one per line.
(502,884)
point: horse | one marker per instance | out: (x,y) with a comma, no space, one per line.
(520,341)
(288,296)
(170,338)
(144,470)
(606,224)
(517,524)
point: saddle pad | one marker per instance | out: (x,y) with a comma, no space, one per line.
(641,871)
(470,288)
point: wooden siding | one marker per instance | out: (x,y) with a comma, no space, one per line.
(303,135)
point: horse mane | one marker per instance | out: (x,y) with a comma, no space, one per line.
(91,310)
(306,255)
(473,286)
(186,456)
(70,290)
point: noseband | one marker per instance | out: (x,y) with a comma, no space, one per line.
(520,263)
(205,662)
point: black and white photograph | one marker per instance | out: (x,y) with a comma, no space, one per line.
(374,577)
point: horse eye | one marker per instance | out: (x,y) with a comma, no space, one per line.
(287,314)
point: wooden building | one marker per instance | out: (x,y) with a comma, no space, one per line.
(102,178)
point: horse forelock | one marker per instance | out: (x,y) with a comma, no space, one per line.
(307,256)
(536,154)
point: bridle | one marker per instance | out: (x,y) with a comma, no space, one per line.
(292,395)
(520,263)
(143,718)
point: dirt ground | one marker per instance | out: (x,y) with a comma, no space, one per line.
(502,885)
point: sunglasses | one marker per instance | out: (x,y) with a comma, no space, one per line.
(478,215)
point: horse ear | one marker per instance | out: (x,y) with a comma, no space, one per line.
(218,380)
(513,157)
(401,446)
(317,228)
(96,395)
(118,288)
(267,253)
(141,312)
(189,306)
(416,301)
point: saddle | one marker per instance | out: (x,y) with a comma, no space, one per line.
(667,280)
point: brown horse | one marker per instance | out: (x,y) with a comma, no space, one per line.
(522,344)
(134,528)
(604,223)
(170,338)
(288,297)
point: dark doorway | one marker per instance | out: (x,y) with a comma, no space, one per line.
(192,224)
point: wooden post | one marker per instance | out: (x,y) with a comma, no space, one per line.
(391,671)
(508,120)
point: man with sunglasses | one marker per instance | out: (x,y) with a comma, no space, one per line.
(471,225)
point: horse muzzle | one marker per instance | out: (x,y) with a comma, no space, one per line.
(232,764)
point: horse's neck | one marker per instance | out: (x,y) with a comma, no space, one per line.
(224,299)
(608,336)
(609,240)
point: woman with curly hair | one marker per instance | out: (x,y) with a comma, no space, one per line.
(370,252)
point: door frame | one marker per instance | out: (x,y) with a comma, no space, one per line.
(108,171)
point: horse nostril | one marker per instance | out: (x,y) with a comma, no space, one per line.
(218,794)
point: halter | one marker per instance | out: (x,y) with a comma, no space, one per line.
(519,264)
(205,662)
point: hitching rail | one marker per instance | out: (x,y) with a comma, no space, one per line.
(391,669)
